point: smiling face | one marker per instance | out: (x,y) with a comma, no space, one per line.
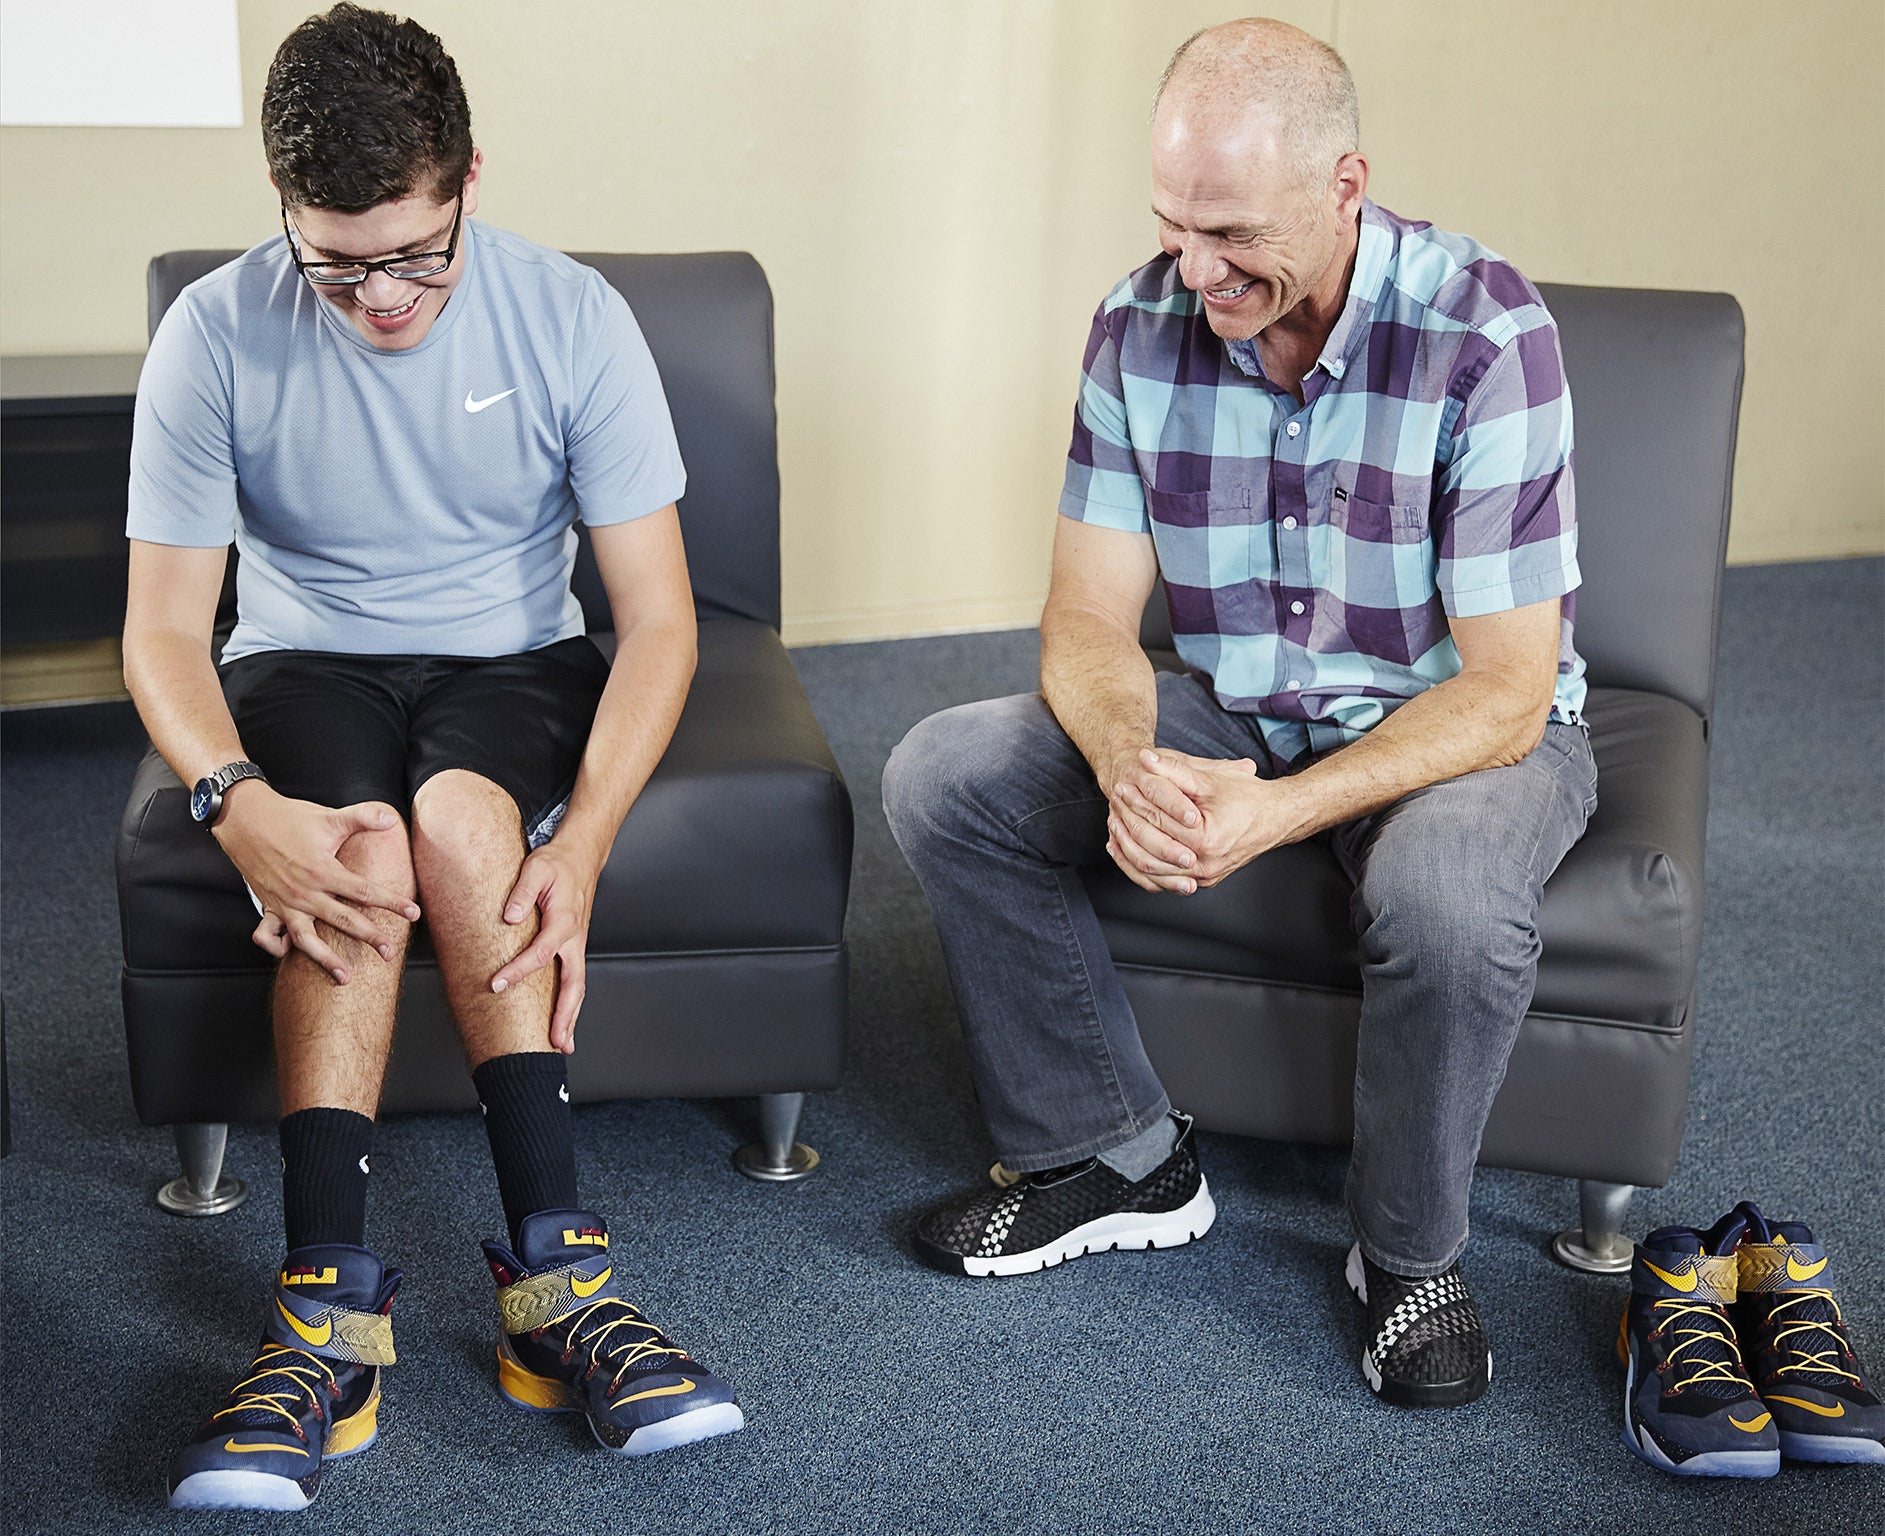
(393,314)
(1252,240)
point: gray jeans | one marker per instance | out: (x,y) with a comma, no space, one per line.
(995,809)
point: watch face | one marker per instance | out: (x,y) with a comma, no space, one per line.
(202,800)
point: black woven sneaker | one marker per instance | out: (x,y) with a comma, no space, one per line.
(1063,1213)
(1426,1345)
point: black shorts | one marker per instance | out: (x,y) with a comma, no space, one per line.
(337,729)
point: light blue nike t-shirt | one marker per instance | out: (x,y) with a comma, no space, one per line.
(418,502)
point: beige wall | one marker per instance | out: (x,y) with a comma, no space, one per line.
(942,190)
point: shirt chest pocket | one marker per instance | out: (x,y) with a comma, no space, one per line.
(1197,534)
(1379,522)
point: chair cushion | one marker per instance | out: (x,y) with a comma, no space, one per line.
(1620,921)
(741,840)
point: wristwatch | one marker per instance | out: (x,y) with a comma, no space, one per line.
(206,800)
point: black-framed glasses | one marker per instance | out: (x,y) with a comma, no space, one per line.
(407,268)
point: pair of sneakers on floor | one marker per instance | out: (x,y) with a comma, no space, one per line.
(567,1340)
(1424,1343)
(1736,1353)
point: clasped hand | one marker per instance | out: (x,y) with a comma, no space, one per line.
(1181,823)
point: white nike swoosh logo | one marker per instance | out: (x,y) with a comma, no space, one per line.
(562,1092)
(475,406)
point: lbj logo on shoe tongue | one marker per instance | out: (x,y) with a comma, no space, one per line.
(591,1237)
(310,1276)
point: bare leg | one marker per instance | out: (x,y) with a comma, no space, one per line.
(331,1042)
(467,846)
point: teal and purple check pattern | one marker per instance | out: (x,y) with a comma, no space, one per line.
(1313,551)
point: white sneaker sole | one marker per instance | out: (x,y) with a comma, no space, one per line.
(1129,1229)
(234,1489)
(682,1429)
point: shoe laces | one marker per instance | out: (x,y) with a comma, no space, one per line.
(614,1331)
(1705,1354)
(279,1380)
(1812,1332)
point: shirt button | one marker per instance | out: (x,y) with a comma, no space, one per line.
(1293,428)
(1293,684)
(1295,607)
(1289,522)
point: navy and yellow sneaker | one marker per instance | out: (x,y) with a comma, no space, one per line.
(567,1340)
(1799,1354)
(1688,1405)
(311,1395)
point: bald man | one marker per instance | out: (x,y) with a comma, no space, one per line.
(1344,441)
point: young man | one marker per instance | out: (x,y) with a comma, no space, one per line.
(397,414)
(1344,440)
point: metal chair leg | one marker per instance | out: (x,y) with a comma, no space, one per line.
(776,1158)
(1597,1246)
(204,1189)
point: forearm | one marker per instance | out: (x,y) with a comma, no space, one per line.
(1469,722)
(1099,684)
(172,680)
(654,665)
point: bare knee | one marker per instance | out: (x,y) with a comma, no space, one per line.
(465,829)
(383,857)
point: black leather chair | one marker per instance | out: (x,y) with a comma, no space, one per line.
(1248,995)
(730,982)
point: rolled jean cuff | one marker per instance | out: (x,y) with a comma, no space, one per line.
(1077,1152)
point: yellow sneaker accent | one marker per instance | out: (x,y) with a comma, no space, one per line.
(527,1387)
(351,1434)
(588,1288)
(317,1337)
(674,1391)
(230,1445)
(1821,1409)
(577,1239)
(1798,1271)
(1755,1425)
(324,1277)
(1683,1282)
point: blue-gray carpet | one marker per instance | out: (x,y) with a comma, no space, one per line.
(1209,1389)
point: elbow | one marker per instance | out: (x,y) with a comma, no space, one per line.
(1525,729)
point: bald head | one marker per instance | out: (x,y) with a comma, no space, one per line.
(1269,78)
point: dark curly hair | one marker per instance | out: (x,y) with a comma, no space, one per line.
(362,108)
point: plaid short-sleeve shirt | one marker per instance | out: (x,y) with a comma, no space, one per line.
(1313,551)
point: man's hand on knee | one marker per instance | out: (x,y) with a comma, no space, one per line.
(289,853)
(561,887)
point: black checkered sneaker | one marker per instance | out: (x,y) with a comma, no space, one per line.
(1426,1345)
(1049,1217)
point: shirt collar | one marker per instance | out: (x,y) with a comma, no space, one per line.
(1374,256)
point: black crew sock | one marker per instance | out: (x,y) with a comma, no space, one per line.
(324,1176)
(525,1098)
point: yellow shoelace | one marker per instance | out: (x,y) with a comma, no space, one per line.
(1716,1329)
(1810,1361)
(302,1369)
(625,1351)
